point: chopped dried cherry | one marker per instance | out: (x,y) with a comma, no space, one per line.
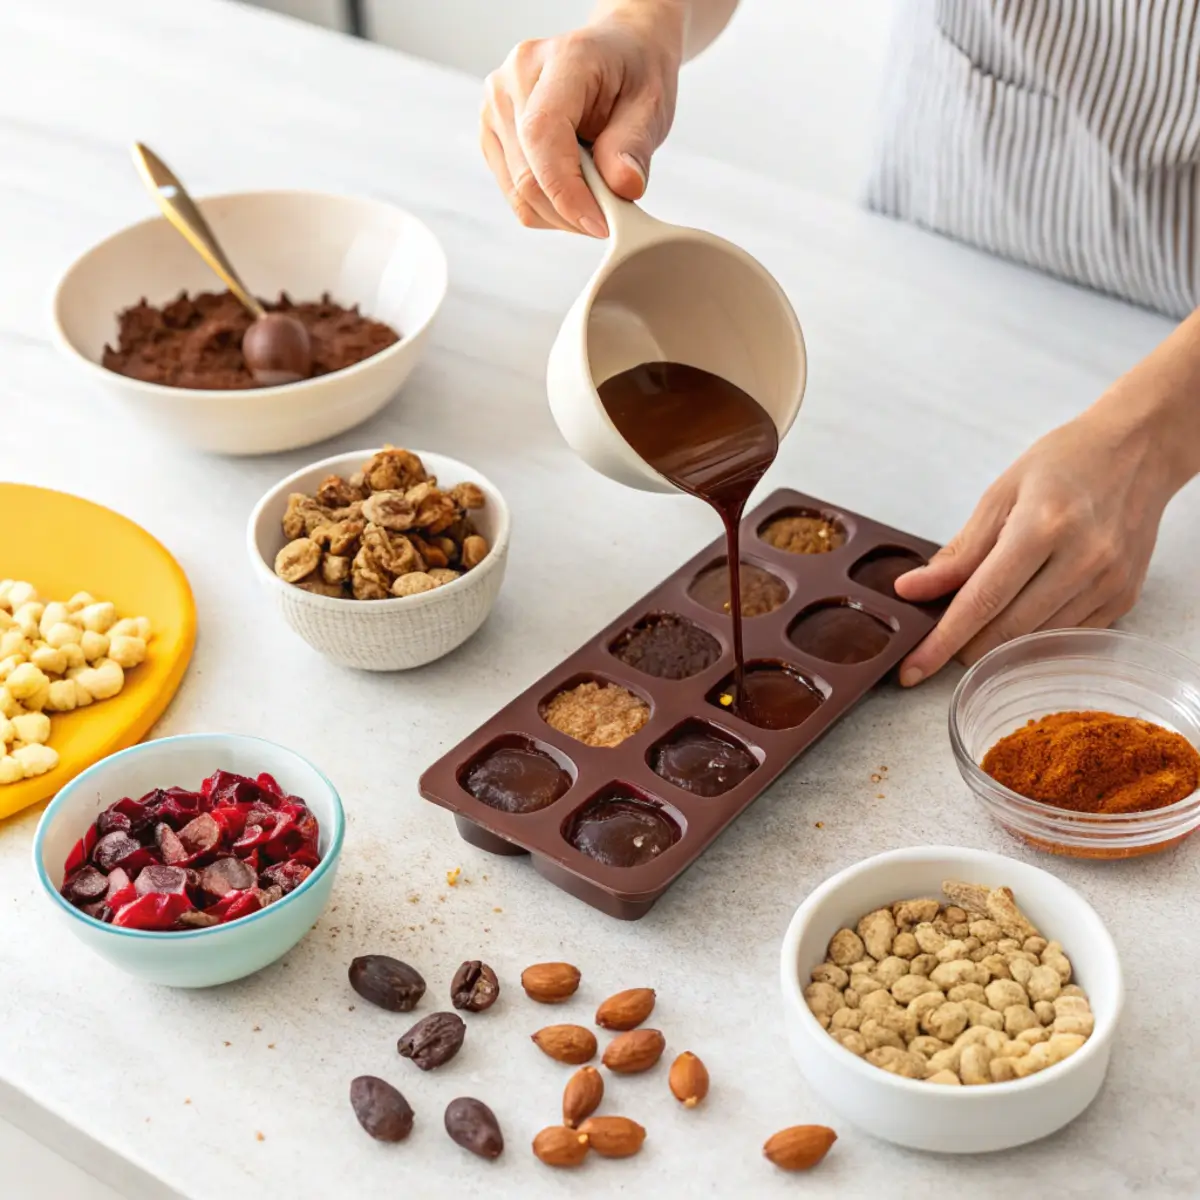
(152,911)
(178,859)
(161,880)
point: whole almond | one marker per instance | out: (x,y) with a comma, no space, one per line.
(637,1050)
(582,1095)
(626,1010)
(799,1147)
(559,1146)
(613,1137)
(688,1079)
(567,1043)
(550,983)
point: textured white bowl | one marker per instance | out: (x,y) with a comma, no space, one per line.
(383,635)
(926,1116)
(197,957)
(361,251)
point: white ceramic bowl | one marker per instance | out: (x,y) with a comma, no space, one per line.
(925,1116)
(197,957)
(383,635)
(361,251)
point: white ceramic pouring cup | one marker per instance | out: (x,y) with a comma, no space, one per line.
(665,293)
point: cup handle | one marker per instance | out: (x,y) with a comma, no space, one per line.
(623,216)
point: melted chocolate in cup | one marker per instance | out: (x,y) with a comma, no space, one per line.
(840,633)
(771,697)
(702,761)
(517,779)
(706,436)
(880,569)
(762,592)
(668,647)
(619,830)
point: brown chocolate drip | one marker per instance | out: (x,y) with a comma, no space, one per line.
(707,437)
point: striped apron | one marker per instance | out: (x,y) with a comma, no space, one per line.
(1064,134)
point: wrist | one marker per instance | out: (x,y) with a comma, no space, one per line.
(663,22)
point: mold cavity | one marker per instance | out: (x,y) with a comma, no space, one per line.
(595,711)
(621,827)
(802,531)
(517,775)
(776,696)
(880,569)
(762,592)
(702,759)
(840,631)
(667,646)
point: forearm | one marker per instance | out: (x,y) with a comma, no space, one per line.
(1157,405)
(695,23)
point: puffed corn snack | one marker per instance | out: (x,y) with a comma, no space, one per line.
(55,657)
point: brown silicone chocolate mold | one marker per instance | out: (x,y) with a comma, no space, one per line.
(857,576)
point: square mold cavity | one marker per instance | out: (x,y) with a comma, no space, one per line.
(622,826)
(665,645)
(596,711)
(762,592)
(880,568)
(803,531)
(517,774)
(778,695)
(841,631)
(702,759)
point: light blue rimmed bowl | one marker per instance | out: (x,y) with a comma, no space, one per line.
(198,957)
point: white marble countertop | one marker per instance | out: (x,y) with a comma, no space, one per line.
(931,367)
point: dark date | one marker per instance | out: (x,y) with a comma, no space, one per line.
(387,982)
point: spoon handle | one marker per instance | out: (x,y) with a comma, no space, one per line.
(182,211)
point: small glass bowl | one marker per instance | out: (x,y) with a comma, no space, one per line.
(1076,670)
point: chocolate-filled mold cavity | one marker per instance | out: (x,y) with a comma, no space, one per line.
(595,711)
(840,631)
(667,646)
(517,775)
(620,827)
(802,531)
(702,759)
(775,696)
(880,569)
(762,592)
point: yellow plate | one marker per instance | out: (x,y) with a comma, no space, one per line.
(63,545)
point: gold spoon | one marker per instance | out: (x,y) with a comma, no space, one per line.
(276,347)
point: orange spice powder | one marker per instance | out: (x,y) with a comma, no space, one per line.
(1096,762)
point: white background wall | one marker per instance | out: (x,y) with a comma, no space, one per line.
(790,89)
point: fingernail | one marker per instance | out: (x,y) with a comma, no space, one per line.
(911,676)
(630,161)
(593,227)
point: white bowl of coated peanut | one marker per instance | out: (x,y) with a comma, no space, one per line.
(960,1051)
(382,559)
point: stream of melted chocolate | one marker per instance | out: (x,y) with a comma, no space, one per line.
(714,441)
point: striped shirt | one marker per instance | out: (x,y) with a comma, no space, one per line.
(1064,134)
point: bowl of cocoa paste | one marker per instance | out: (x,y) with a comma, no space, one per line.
(154,330)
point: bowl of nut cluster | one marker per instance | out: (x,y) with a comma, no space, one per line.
(383,559)
(150,325)
(192,861)
(951,1000)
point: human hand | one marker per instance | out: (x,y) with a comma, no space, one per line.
(612,83)
(1063,538)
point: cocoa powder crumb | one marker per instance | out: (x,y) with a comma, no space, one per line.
(597,714)
(799,534)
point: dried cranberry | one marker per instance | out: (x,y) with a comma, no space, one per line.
(254,835)
(225,788)
(86,887)
(111,820)
(152,911)
(137,812)
(200,835)
(234,905)
(268,784)
(113,849)
(227,875)
(162,880)
(169,845)
(140,858)
(232,821)
(177,806)
(118,899)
